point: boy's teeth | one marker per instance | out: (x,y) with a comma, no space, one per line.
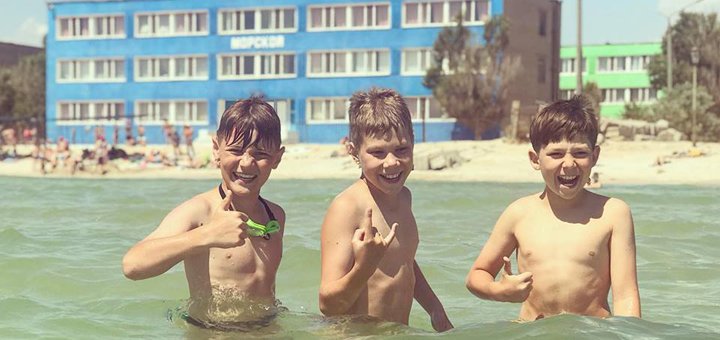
(392,176)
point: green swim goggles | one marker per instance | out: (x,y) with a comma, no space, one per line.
(256,229)
(262,230)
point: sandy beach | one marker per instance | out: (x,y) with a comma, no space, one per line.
(621,162)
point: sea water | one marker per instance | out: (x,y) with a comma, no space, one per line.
(62,242)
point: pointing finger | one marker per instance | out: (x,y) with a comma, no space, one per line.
(507,266)
(391,235)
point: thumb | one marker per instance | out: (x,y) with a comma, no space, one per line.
(391,235)
(507,266)
(226,203)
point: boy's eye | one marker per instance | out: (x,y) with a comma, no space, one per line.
(581,154)
(403,150)
(555,155)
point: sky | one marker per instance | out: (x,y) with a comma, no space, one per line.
(604,21)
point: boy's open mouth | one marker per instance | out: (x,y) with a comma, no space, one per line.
(244,177)
(568,181)
(392,178)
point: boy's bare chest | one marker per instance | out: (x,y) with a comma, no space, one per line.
(256,256)
(540,239)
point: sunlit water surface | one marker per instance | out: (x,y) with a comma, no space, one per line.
(62,241)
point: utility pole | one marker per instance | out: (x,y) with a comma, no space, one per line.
(579,55)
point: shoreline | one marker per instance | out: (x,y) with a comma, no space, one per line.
(620,162)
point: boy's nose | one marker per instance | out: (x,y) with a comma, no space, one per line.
(391,160)
(569,162)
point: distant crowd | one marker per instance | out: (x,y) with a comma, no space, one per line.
(101,157)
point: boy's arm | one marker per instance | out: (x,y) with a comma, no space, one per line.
(175,238)
(349,256)
(430,302)
(501,243)
(623,270)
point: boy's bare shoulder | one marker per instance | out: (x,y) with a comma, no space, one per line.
(522,204)
(197,207)
(351,200)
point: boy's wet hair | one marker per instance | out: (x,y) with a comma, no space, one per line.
(564,119)
(377,113)
(245,116)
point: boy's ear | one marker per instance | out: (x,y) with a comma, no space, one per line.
(534,159)
(278,157)
(596,154)
(216,150)
(352,151)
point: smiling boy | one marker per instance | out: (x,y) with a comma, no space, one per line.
(362,272)
(229,237)
(572,245)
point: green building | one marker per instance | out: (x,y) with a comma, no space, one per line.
(619,70)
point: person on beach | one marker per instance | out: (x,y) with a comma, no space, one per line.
(572,245)
(369,236)
(229,237)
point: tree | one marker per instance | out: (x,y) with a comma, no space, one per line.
(471,81)
(676,108)
(28,80)
(691,30)
(593,93)
(7,95)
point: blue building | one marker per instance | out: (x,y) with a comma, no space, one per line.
(122,64)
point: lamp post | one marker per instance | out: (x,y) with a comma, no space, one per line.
(695,59)
(669,43)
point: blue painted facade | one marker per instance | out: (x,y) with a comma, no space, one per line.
(218,93)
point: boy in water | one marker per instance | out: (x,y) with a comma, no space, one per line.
(229,238)
(572,245)
(364,272)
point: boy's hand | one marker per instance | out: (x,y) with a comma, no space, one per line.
(440,321)
(226,228)
(516,288)
(368,244)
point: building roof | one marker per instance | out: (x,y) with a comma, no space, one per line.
(11,53)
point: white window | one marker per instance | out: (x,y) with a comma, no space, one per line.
(567,65)
(348,17)
(90,70)
(348,63)
(171,68)
(90,27)
(90,112)
(327,110)
(256,66)
(426,106)
(426,13)
(193,112)
(416,61)
(257,20)
(168,24)
(623,64)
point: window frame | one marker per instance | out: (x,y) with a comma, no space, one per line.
(258,19)
(91,113)
(92,71)
(349,62)
(257,60)
(171,23)
(446,19)
(171,119)
(348,16)
(171,67)
(91,27)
